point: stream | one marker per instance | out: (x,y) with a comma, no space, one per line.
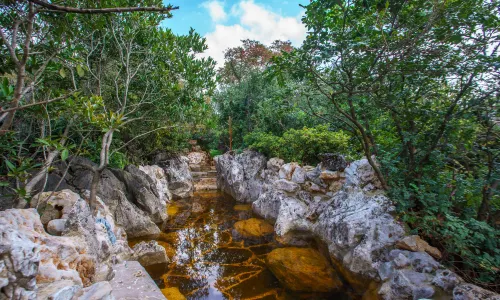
(210,261)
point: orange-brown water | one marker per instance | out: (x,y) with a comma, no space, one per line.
(210,261)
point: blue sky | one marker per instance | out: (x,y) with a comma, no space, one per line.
(225,23)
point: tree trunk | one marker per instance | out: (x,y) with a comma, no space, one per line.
(94,186)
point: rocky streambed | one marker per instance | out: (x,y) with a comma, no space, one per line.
(280,231)
(218,249)
(340,207)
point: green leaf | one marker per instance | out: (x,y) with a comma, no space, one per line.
(62,73)
(80,71)
(10,165)
(64,154)
(42,141)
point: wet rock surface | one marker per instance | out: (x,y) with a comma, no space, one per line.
(211,261)
(303,269)
(253,228)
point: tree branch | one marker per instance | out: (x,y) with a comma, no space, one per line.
(37,103)
(67,9)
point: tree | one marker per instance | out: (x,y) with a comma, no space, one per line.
(412,81)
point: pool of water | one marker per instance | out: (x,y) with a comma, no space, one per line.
(210,261)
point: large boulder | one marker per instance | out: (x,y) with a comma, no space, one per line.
(135,222)
(180,181)
(142,191)
(240,175)
(80,177)
(303,269)
(268,204)
(30,257)
(159,178)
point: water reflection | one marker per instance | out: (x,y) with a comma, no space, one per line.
(209,261)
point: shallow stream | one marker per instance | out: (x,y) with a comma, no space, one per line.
(210,261)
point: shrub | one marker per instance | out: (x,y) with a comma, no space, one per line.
(300,145)
(214,152)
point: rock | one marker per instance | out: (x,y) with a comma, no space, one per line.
(467,291)
(287,186)
(407,284)
(28,252)
(335,186)
(415,243)
(150,253)
(158,176)
(180,181)
(353,218)
(173,293)
(313,175)
(135,222)
(299,175)
(54,183)
(19,254)
(198,158)
(446,280)
(313,187)
(81,178)
(419,261)
(361,174)
(286,170)
(59,290)
(240,175)
(274,164)
(302,269)
(268,204)
(333,162)
(253,228)
(142,190)
(54,205)
(131,281)
(57,226)
(98,291)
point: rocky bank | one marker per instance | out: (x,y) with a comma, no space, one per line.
(60,248)
(341,206)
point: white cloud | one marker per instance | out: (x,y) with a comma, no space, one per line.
(254,22)
(216,10)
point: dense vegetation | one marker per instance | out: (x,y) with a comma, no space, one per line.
(412,85)
(83,83)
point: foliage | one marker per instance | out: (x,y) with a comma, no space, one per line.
(215,152)
(417,84)
(300,145)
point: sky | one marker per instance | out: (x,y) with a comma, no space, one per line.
(224,23)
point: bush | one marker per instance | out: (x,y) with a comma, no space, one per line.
(300,145)
(215,152)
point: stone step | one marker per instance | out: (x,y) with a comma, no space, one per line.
(204,174)
(208,180)
(211,187)
(131,281)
